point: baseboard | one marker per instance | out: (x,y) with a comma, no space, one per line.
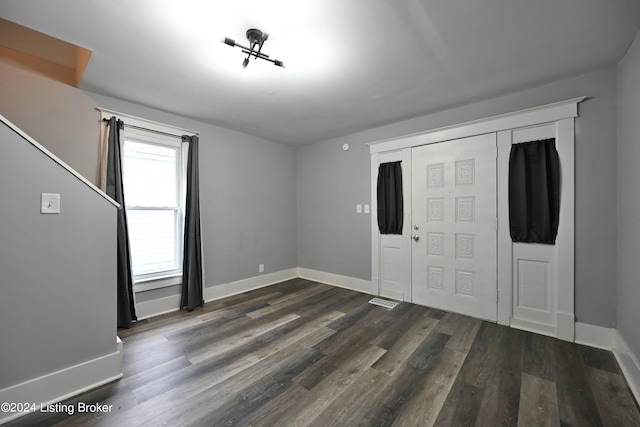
(628,363)
(63,384)
(595,336)
(536,328)
(346,282)
(156,307)
(565,328)
(228,289)
(395,295)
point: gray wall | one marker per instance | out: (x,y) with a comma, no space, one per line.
(331,237)
(58,116)
(248,184)
(629,195)
(57,298)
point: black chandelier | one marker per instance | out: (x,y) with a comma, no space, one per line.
(256,40)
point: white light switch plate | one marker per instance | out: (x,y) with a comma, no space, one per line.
(358,208)
(366,208)
(49,203)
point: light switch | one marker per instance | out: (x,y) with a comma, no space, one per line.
(358,208)
(366,208)
(49,203)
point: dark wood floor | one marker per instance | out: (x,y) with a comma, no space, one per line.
(303,353)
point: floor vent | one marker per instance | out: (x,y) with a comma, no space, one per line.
(383,303)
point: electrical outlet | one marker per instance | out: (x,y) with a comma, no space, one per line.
(261,268)
(366,208)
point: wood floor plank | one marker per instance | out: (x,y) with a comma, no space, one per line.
(461,407)
(462,330)
(399,353)
(309,308)
(576,402)
(232,364)
(312,404)
(301,293)
(334,299)
(425,405)
(538,403)
(209,400)
(274,412)
(614,399)
(221,346)
(244,307)
(350,407)
(210,387)
(368,328)
(599,359)
(410,380)
(540,358)
(257,394)
(494,364)
(412,314)
(303,353)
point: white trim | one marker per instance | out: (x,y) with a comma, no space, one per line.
(156,307)
(565,240)
(398,296)
(129,119)
(150,284)
(536,328)
(347,282)
(505,246)
(63,384)
(628,364)
(375,232)
(517,119)
(53,157)
(595,336)
(233,288)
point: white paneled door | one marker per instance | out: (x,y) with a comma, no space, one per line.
(454,223)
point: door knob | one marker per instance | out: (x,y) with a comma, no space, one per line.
(416,227)
(416,237)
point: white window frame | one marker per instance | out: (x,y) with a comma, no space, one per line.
(173,134)
(152,138)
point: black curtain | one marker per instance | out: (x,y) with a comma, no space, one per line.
(192,296)
(390,208)
(114,188)
(534,192)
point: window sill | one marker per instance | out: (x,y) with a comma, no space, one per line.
(142,285)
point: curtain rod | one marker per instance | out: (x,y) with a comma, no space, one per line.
(172,135)
(124,116)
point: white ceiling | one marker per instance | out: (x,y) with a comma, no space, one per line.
(350,64)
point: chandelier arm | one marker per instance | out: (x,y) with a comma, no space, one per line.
(256,54)
(256,38)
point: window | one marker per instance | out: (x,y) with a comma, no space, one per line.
(153,180)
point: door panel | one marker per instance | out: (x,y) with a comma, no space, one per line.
(534,266)
(393,265)
(454,260)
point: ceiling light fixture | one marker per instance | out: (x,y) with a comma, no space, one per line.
(256,40)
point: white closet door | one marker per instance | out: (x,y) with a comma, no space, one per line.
(454,254)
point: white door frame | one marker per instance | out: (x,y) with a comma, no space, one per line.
(563,113)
